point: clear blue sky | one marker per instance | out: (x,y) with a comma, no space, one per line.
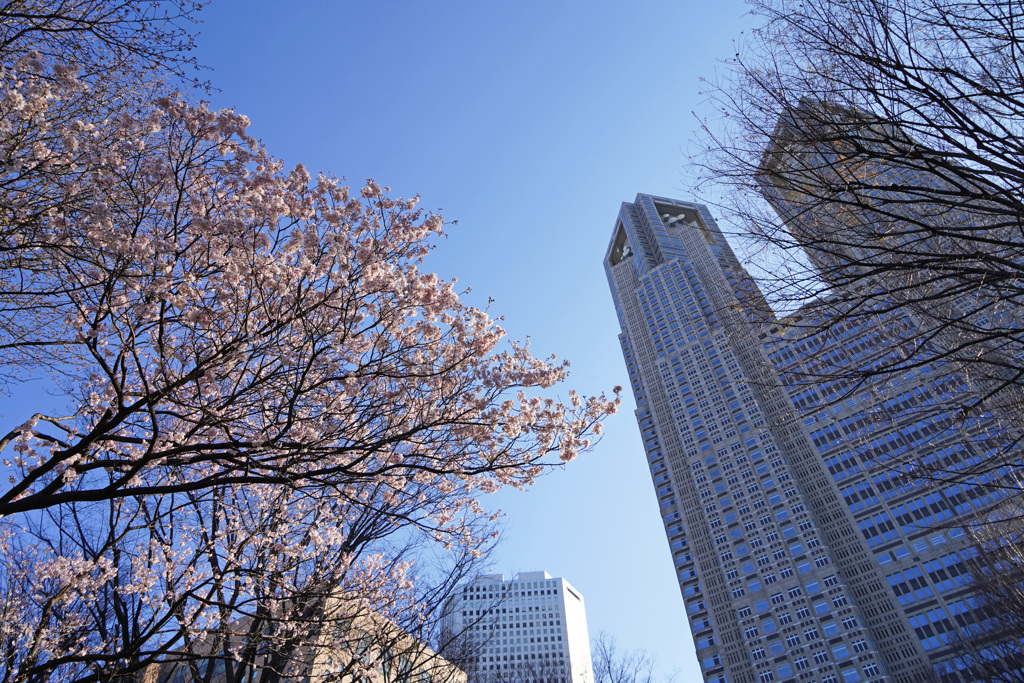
(529,123)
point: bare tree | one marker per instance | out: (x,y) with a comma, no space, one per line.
(534,671)
(614,666)
(871,159)
(990,639)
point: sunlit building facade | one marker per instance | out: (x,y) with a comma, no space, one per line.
(802,555)
(531,628)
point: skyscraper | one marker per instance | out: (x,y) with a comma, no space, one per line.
(802,553)
(531,628)
(887,224)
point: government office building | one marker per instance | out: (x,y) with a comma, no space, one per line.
(801,552)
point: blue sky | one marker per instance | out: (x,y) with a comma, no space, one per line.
(528,123)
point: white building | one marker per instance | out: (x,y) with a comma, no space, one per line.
(532,627)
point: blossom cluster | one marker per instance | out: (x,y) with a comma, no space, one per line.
(268,395)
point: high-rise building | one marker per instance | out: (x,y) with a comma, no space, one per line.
(884,232)
(805,548)
(531,628)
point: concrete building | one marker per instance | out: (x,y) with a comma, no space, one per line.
(346,643)
(532,627)
(802,553)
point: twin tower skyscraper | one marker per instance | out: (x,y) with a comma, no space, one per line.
(802,552)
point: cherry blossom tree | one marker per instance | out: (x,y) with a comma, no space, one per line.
(106,41)
(69,68)
(265,414)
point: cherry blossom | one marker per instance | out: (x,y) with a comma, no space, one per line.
(271,412)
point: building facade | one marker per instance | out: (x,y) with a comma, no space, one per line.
(529,628)
(349,644)
(909,366)
(802,552)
